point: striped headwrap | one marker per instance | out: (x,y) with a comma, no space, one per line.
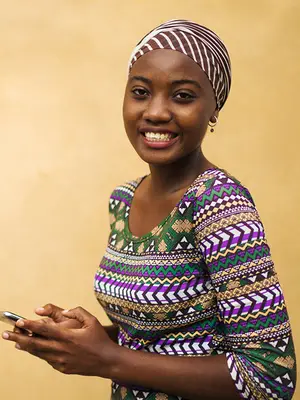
(197,42)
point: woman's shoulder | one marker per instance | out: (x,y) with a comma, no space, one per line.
(216,183)
(123,193)
(120,200)
(221,200)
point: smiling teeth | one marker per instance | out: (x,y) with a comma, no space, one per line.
(158,137)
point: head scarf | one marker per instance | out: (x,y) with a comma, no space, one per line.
(197,42)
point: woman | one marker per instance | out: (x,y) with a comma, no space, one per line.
(187,272)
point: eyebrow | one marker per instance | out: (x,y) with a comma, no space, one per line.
(176,82)
(140,78)
(185,81)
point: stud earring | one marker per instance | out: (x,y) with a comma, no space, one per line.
(213,124)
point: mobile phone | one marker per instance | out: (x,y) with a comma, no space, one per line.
(9,317)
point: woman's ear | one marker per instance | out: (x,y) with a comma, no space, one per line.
(214,117)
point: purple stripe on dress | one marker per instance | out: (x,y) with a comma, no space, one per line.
(123,199)
(169,341)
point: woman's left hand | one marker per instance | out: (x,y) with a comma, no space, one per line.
(84,351)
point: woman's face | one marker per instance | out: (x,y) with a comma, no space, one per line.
(167,106)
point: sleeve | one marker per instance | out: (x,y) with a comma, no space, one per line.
(254,329)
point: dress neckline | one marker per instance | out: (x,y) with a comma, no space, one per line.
(158,228)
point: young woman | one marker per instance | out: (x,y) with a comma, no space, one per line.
(187,278)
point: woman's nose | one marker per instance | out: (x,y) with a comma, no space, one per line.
(157,110)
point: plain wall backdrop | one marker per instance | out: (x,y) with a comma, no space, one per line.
(63,67)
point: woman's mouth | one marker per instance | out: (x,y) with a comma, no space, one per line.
(159,140)
(158,137)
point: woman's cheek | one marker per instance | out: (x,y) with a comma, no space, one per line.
(132,111)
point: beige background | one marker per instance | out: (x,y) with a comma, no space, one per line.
(63,148)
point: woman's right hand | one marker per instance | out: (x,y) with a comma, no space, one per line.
(54,314)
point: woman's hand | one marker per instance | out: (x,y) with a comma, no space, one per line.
(87,350)
(55,314)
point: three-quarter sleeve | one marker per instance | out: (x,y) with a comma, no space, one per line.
(254,329)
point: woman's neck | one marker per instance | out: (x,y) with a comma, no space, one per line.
(167,179)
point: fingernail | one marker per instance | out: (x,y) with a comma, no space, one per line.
(5,335)
(40,309)
(20,323)
(17,346)
(65,311)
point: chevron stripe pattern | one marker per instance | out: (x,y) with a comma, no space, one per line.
(202,282)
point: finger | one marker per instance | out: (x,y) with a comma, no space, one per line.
(34,345)
(42,328)
(51,311)
(7,334)
(22,331)
(80,314)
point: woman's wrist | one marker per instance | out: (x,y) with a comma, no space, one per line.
(109,353)
(111,361)
(118,358)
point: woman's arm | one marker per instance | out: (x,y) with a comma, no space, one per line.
(89,351)
(193,378)
(254,328)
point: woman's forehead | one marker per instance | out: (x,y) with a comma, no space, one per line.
(168,65)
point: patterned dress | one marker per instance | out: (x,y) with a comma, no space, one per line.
(201,283)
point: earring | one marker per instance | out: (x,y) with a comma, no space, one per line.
(213,124)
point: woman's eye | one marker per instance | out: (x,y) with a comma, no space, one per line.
(184,96)
(139,92)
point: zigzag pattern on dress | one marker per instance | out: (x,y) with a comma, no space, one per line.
(120,392)
(202,282)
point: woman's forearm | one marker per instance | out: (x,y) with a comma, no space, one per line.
(193,378)
(112,331)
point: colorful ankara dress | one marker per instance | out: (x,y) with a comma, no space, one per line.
(201,283)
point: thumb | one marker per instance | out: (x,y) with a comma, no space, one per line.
(51,311)
(79,313)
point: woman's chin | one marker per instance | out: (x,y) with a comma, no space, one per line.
(158,156)
(158,159)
